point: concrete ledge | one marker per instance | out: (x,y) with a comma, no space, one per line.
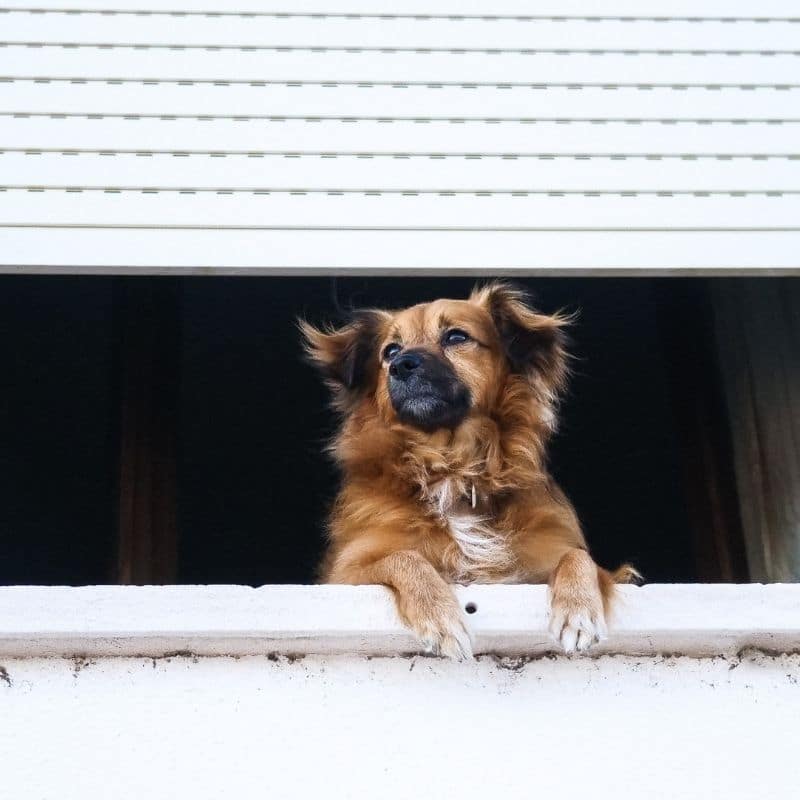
(693,620)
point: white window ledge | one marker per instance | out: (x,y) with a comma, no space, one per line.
(693,620)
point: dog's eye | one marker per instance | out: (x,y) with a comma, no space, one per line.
(456,336)
(391,350)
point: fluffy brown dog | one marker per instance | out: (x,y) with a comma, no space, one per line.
(447,408)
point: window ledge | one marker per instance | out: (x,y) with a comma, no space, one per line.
(692,620)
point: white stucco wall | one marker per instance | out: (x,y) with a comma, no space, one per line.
(341,724)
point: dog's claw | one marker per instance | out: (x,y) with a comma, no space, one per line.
(449,638)
(457,645)
(576,630)
(577,617)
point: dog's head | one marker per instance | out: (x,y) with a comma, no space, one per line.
(433,365)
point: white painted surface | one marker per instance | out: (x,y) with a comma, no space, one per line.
(663,118)
(385,100)
(313,64)
(699,10)
(399,30)
(697,620)
(477,135)
(246,251)
(244,172)
(349,725)
(397,210)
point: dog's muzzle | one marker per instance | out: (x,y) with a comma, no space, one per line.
(426,392)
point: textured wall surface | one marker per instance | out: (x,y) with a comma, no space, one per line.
(311,691)
(399,727)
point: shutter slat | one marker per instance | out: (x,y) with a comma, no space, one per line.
(418,211)
(426,66)
(410,101)
(582,8)
(397,174)
(400,252)
(547,34)
(332,136)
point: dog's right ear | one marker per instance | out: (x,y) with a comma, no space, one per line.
(347,356)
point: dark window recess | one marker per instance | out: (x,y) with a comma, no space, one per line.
(167,430)
(57,430)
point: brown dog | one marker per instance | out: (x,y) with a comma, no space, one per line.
(447,408)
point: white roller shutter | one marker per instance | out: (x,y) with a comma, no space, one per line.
(607,136)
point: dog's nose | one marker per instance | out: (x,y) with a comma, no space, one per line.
(404,365)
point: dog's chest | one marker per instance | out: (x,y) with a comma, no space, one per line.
(478,552)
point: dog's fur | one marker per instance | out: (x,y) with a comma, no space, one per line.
(442,449)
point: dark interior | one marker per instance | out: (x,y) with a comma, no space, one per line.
(253,482)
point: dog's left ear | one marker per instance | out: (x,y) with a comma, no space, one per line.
(534,342)
(346,355)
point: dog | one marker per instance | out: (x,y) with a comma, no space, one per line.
(446,411)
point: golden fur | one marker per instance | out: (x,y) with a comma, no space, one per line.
(419,509)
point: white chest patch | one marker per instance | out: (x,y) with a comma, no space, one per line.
(483,553)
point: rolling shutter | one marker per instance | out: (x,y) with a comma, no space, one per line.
(579,137)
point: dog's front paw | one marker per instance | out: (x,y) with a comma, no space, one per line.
(577,618)
(439,625)
(576,626)
(446,637)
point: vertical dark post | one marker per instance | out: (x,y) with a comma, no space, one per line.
(758,336)
(148,317)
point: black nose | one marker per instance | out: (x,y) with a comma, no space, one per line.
(404,365)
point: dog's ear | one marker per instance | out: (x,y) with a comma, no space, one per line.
(344,355)
(535,343)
